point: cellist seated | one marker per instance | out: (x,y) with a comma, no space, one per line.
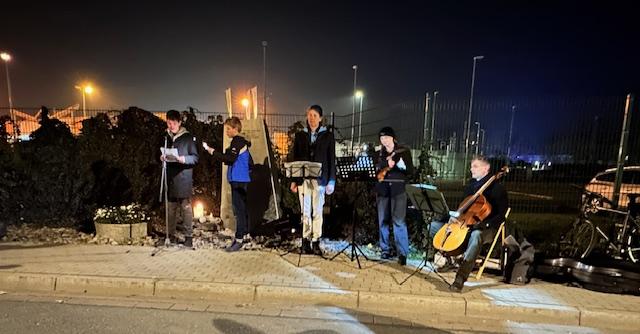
(483,231)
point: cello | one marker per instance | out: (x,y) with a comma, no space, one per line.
(474,209)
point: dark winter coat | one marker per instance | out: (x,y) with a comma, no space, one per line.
(496,195)
(394,181)
(322,150)
(179,175)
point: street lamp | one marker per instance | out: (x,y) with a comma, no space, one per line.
(482,141)
(245,104)
(468,129)
(86,89)
(433,118)
(264,79)
(513,113)
(477,137)
(353,113)
(6,58)
(360,95)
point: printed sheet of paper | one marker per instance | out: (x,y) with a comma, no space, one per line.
(171,154)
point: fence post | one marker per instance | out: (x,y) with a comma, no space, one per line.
(333,121)
(427,99)
(622,150)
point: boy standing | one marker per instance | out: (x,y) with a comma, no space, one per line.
(239,162)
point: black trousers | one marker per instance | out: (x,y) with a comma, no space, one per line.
(239,204)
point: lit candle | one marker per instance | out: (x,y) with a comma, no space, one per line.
(198,210)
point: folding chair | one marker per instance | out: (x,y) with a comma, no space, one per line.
(500,233)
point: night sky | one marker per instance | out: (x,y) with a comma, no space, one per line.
(183,54)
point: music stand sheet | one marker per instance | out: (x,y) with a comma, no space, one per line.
(306,169)
(360,167)
(427,198)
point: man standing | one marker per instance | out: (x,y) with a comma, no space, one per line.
(484,231)
(315,143)
(180,176)
(394,167)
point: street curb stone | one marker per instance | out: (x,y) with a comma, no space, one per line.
(354,300)
(205,290)
(415,303)
(610,318)
(307,295)
(543,313)
(105,286)
(27,282)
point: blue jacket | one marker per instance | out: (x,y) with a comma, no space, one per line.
(238,158)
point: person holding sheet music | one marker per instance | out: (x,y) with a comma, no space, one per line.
(317,144)
(394,168)
(180,175)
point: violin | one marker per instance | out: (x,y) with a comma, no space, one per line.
(382,173)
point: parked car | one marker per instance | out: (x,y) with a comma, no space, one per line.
(603,183)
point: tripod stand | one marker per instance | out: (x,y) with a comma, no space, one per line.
(430,202)
(355,169)
(164,191)
(304,170)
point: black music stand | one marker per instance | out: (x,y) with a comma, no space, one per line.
(355,169)
(431,203)
(304,170)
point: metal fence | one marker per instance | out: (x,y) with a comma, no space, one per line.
(554,145)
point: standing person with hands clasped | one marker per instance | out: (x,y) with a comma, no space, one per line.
(314,143)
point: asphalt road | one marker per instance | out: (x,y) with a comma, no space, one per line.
(51,316)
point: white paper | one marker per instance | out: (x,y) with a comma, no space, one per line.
(171,154)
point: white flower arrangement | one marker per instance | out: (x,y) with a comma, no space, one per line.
(129,214)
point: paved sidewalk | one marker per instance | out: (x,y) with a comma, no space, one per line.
(265,277)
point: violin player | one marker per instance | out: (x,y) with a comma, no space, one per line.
(394,168)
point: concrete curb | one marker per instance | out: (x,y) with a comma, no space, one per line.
(298,295)
(28,282)
(610,318)
(562,315)
(105,286)
(416,303)
(355,300)
(205,290)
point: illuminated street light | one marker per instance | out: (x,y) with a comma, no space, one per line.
(360,95)
(7,58)
(477,137)
(86,89)
(353,111)
(245,104)
(468,127)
